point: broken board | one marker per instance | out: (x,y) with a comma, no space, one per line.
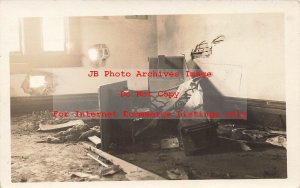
(48,127)
(132,171)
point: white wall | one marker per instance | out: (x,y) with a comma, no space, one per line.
(130,41)
(249,63)
(253,48)
(69,81)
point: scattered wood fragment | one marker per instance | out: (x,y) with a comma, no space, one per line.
(60,126)
(96,140)
(177,174)
(100,162)
(110,170)
(85,175)
(132,172)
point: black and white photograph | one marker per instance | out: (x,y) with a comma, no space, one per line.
(157,97)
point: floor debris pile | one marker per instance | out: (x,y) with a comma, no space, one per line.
(69,150)
(177,174)
(76,133)
(132,171)
(32,122)
(245,136)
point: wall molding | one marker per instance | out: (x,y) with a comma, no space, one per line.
(258,110)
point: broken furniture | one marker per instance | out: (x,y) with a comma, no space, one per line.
(113,129)
(196,135)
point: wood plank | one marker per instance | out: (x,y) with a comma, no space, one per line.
(60,126)
(132,171)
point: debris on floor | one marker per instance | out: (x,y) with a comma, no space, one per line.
(84,176)
(76,133)
(51,127)
(277,141)
(31,122)
(98,160)
(169,143)
(132,171)
(110,170)
(160,158)
(96,140)
(89,133)
(244,146)
(245,136)
(177,174)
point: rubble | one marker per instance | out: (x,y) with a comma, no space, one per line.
(169,143)
(132,172)
(96,140)
(51,127)
(32,122)
(244,146)
(177,174)
(162,157)
(113,169)
(97,159)
(246,136)
(76,133)
(85,175)
(277,141)
(89,133)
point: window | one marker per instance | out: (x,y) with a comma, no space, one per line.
(54,34)
(15,33)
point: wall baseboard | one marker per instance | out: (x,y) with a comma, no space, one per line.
(266,112)
(260,112)
(26,105)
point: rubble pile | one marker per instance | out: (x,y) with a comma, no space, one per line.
(31,122)
(75,133)
(254,136)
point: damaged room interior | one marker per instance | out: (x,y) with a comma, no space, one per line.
(148,97)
